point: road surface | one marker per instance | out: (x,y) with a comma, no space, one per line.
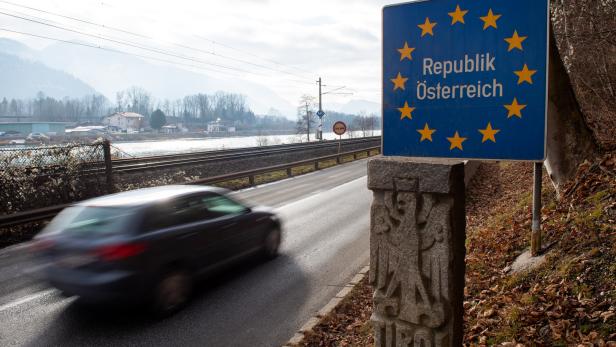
(326,238)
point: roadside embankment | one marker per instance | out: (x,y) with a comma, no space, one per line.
(568,300)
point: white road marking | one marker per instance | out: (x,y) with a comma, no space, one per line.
(26,299)
(315,194)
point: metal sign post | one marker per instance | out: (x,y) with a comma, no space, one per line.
(320,114)
(339,129)
(535,239)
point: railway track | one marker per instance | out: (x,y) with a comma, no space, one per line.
(131,165)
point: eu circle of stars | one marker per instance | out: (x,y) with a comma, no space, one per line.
(510,124)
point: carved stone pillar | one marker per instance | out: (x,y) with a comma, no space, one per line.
(417,235)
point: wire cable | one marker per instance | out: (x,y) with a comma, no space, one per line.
(152,39)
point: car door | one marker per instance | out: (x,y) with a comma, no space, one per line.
(184,232)
(237,233)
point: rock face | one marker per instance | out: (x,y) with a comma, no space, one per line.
(569,141)
(417,234)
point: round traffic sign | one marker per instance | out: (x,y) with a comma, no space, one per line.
(339,128)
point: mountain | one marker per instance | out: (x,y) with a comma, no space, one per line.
(355,107)
(111,72)
(23,78)
(18,49)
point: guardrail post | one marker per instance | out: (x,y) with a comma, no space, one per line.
(289,172)
(417,234)
(108,165)
(251,180)
(316,165)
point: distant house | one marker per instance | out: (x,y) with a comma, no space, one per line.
(218,127)
(124,121)
(170,129)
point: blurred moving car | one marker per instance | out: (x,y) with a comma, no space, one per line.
(151,243)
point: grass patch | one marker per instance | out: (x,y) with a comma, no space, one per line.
(346,158)
(327,163)
(234,184)
(361,155)
(270,176)
(300,170)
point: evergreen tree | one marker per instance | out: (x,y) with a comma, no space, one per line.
(158,119)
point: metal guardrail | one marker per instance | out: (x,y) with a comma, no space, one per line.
(165,157)
(49,212)
(250,174)
(172,161)
(135,165)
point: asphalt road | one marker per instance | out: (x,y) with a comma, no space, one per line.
(326,221)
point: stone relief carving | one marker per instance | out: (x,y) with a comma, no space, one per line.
(410,264)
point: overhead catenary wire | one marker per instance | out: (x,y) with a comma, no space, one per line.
(167,42)
(72,18)
(249,53)
(129,44)
(46,22)
(111,50)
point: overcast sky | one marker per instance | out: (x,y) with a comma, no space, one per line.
(338,40)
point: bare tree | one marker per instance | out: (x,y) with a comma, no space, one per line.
(306,115)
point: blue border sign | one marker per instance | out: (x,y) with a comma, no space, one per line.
(465,79)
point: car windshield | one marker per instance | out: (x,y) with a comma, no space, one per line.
(89,220)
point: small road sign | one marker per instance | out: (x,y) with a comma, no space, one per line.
(320,113)
(465,80)
(339,128)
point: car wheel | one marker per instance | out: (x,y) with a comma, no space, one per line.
(172,292)
(272,243)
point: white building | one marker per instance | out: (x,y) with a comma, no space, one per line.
(125,121)
(217,127)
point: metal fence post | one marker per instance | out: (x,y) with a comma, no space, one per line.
(108,165)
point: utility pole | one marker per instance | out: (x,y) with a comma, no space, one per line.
(307,122)
(320,114)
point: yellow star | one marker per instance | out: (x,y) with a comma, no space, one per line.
(426,133)
(515,41)
(515,109)
(456,141)
(525,75)
(488,133)
(406,111)
(426,27)
(405,52)
(490,20)
(399,81)
(457,15)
